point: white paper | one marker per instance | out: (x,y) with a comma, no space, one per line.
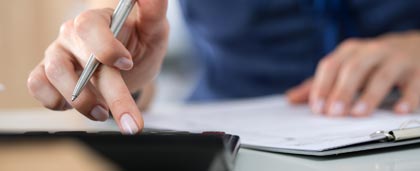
(272,122)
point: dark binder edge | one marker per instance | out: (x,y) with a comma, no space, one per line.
(337,151)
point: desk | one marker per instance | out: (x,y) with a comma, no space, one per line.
(395,160)
(248,160)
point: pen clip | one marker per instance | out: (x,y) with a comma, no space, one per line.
(400,134)
(382,135)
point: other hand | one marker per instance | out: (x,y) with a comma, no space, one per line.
(369,67)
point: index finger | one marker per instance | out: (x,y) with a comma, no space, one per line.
(116,94)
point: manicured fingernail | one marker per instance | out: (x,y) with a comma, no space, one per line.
(336,109)
(123,63)
(317,106)
(128,124)
(359,109)
(403,108)
(99,113)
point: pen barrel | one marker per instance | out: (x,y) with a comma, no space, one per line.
(121,13)
(117,21)
(87,73)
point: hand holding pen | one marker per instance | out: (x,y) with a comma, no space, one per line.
(130,61)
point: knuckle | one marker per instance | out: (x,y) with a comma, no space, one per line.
(81,22)
(66,28)
(351,42)
(116,103)
(33,82)
(54,68)
(36,84)
(328,64)
(352,66)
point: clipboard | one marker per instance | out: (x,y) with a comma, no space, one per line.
(380,139)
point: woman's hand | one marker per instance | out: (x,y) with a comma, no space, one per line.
(369,66)
(130,62)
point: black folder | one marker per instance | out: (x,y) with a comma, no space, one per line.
(152,150)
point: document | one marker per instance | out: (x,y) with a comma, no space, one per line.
(271,123)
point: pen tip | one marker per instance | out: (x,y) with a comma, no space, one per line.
(73,98)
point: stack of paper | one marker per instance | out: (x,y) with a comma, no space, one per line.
(272,124)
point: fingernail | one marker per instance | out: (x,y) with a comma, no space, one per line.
(99,113)
(317,106)
(403,108)
(123,63)
(336,109)
(128,124)
(359,109)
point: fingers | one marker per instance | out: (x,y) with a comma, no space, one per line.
(42,90)
(299,94)
(60,72)
(351,77)
(118,97)
(327,73)
(410,99)
(340,76)
(92,34)
(379,85)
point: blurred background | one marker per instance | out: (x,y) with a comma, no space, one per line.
(25,34)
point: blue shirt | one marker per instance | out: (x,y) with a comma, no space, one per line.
(250,48)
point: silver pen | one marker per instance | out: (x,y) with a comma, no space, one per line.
(121,13)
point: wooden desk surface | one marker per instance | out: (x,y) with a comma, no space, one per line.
(39,119)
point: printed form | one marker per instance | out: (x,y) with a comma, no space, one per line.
(271,123)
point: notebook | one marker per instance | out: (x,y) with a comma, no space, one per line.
(271,124)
